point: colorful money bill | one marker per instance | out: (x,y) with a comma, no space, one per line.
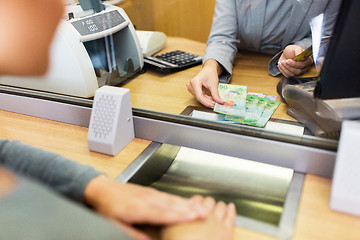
(260,95)
(267,113)
(252,109)
(235,100)
(251,112)
(259,109)
(256,115)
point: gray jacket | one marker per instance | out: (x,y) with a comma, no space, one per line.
(33,211)
(265,26)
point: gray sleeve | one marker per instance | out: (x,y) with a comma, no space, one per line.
(30,211)
(60,174)
(273,66)
(223,38)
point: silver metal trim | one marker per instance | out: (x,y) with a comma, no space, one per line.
(287,223)
(138,162)
(300,158)
(283,230)
(47,109)
(288,219)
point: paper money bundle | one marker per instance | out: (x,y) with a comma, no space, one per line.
(247,108)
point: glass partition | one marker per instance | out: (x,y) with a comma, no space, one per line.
(187,25)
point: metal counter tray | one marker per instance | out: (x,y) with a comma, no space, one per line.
(266,196)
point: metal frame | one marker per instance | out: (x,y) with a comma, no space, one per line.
(286,225)
(287,222)
(301,158)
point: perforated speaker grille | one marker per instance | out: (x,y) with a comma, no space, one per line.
(104,114)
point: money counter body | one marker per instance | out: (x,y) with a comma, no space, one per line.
(91,49)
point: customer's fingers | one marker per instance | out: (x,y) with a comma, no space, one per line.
(230,215)
(220,210)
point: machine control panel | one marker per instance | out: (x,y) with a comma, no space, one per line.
(98,23)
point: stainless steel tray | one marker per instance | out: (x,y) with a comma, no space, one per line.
(266,196)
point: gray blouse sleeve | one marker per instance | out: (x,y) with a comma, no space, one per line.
(60,174)
(223,38)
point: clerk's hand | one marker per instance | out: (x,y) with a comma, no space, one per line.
(290,68)
(206,80)
(134,204)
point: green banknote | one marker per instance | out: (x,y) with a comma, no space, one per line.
(251,114)
(261,95)
(235,100)
(260,106)
(267,113)
(258,111)
(251,109)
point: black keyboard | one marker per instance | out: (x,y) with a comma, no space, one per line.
(172,61)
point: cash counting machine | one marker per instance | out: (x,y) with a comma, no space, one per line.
(336,93)
(95,45)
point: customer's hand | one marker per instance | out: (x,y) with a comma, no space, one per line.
(290,68)
(204,86)
(217,226)
(135,204)
(7,182)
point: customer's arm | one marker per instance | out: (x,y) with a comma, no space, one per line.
(62,175)
(128,203)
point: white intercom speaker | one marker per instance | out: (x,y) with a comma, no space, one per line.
(111,125)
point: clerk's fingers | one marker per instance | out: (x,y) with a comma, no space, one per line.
(290,68)
(284,70)
(196,89)
(214,90)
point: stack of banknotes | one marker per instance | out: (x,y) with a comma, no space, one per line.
(247,108)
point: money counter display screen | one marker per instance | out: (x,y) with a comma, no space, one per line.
(98,23)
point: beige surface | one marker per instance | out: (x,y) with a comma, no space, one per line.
(314,221)
(66,139)
(168,92)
